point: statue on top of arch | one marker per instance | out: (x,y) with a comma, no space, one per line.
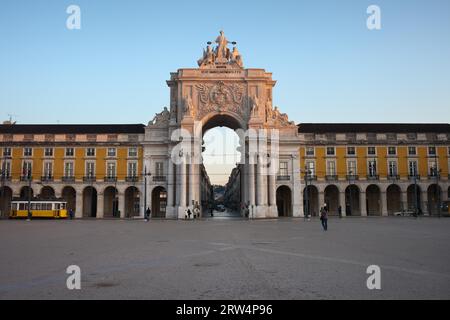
(221,55)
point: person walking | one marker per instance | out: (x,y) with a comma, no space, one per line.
(71,214)
(340,211)
(189,213)
(148,212)
(324,218)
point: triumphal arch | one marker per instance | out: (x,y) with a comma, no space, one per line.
(222,92)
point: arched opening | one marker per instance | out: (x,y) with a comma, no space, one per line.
(70,196)
(311,201)
(284,201)
(373,200)
(47,193)
(89,202)
(6,195)
(111,203)
(352,205)
(434,196)
(132,202)
(222,174)
(331,194)
(414,198)
(26,192)
(393,198)
(159,202)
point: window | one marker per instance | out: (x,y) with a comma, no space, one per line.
(70,152)
(371,151)
(90,169)
(331,168)
(159,169)
(6,169)
(351,151)
(48,152)
(412,151)
(330,151)
(372,168)
(392,168)
(111,169)
(111,152)
(28,152)
(412,168)
(132,152)
(68,169)
(27,169)
(283,169)
(351,168)
(392,151)
(48,169)
(6,152)
(310,151)
(132,169)
(310,168)
(432,168)
(90,152)
(431,151)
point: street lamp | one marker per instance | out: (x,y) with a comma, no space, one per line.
(145,190)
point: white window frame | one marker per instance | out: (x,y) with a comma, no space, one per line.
(308,167)
(26,148)
(5,153)
(107,169)
(129,152)
(68,155)
(111,155)
(330,155)
(333,172)
(395,151)
(348,154)
(395,162)
(73,169)
(416,167)
(313,152)
(135,163)
(283,171)
(44,168)
(52,152)
(436,164)
(415,151)
(356,167)
(91,156)
(435,151)
(23,166)
(369,171)
(86,173)
(372,155)
(5,167)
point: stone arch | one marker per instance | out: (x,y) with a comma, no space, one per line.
(311,200)
(434,199)
(222,119)
(6,195)
(111,202)
(69,195)
(26,191)
(132,202)
(393,199)
(284,201)
(373,200)
(89,202)
(352,200)
(47,192)
(413,197)
(331,194)
(159,202)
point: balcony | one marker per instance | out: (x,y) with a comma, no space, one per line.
(331,177)
(5,177)
(25,178)
(311,177)
(283,178)
(132,179)
(413,177)
(434,176)
(47,178)
(393,177)
(373,177)
(159,178)
(68,179)
(89,179)
(352,177)
(110,179)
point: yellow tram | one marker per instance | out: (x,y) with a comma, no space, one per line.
(54,208)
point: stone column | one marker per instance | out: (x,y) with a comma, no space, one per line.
(363,204)
(272,190)
(170,177)
(260,184)
(424,200)
(342,203)
(404,200)
(100,205)
(182,166)
(297,192)
(79,205)
(251,181)
(192,183)
(383,204)
(121,197)
(321,199)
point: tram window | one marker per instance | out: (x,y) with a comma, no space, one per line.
(48,206)
(56,206)
(21,206)
(63,206)
(14,206)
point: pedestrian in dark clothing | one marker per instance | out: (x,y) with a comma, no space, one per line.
(70,214)
(340,211)
(189,213)
(324,218)
(148,212)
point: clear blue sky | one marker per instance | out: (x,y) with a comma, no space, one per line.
(329,66)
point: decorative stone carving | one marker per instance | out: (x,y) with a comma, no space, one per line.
(188,107)
(161,119)
(220,97)
(221,55)
(281,119)
(255,107)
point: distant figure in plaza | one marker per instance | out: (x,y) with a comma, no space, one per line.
(71,214)
(189,213)
(196,211)
(324,218)
(148,212)
(340,211)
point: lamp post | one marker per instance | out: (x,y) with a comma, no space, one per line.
(350,189)
(145,191)
(29,193)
